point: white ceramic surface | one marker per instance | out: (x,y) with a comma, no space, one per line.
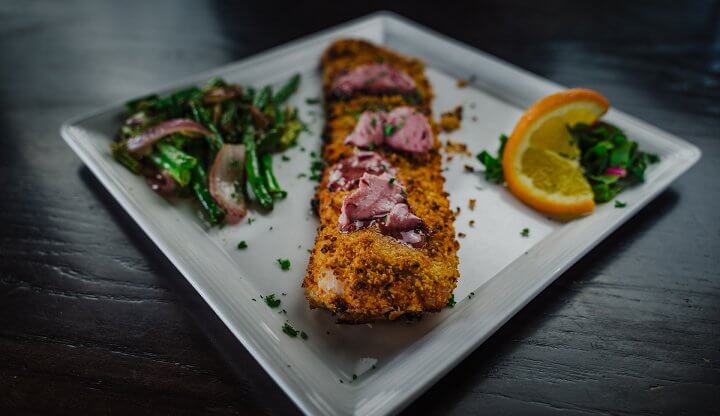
(503,269)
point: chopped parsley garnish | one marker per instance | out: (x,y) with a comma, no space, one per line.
(289,330)
(390,129)
(316,167)
(303,335)
(251,220)
(391,181)
(242,245)
(285,158)
(451,302)
(284,264)
(313,101)
(272,301)
(525,232)
(619,204)
(354,376)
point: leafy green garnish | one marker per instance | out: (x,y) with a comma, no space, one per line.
(525,232)
(610,160)
(619,204)
(313,101)
(493,165)
(242,245)
(272,301)
(451,302)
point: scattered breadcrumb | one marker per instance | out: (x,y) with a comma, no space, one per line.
(471,223)
(469,168)
(449,159)
(462,82)
(461,235)
(450,121)
(452,146)
(471,204)
(457,211)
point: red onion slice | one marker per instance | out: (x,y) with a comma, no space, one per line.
(162,183)
(616,172)
(148,137)
(227,170)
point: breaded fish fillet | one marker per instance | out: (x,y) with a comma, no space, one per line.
(364,275)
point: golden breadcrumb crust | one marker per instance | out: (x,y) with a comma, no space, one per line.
(379,277)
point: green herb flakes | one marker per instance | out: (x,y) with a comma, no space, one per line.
(272,301)
(451,302)
(619,204)
(242,245)
(389,129)
(284,264)
(525,232)
(289,330)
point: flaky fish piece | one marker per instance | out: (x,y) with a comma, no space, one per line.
(366,274)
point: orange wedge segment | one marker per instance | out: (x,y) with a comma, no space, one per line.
(541,161)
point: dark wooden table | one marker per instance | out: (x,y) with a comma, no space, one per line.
(94,319)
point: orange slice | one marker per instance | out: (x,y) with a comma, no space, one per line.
(541,161)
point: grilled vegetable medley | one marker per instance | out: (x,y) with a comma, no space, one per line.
(213,144)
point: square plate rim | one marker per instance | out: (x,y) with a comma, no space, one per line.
(427,375)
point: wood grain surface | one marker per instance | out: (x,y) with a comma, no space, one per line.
(94,319)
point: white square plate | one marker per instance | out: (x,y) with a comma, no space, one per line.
(393,362)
